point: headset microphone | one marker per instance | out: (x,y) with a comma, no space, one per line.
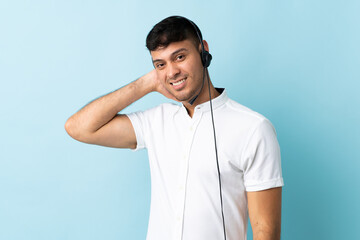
(194,98)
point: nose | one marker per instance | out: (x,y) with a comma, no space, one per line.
(173,71)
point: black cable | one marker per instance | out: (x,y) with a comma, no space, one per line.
(216,153)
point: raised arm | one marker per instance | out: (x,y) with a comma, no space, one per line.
(99,122)
(265,213)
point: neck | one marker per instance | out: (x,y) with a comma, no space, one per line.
(202,97)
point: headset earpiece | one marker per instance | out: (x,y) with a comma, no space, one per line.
(205,58)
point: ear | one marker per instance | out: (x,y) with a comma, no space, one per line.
(206,45)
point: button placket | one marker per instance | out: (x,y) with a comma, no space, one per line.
(179,215)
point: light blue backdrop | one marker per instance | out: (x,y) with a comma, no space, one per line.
(296,62)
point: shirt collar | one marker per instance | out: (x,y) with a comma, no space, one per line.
(216,102)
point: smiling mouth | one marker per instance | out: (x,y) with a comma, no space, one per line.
(178,82)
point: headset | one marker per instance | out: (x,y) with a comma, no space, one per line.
(206,60)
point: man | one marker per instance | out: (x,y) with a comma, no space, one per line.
(185,200)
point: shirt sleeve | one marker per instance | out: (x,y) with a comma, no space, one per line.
(262,159)
(137,120)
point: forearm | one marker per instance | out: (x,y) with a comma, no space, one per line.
(265,213)
(100,111)
(262,233)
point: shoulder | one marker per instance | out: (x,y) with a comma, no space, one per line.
(159,112)
(243,116)
(164,108)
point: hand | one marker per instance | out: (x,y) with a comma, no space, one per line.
(158,85)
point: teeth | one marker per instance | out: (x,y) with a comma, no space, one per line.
(178,83)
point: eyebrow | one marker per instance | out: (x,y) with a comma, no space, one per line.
(174,53)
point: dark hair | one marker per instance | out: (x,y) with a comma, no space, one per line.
(172,29)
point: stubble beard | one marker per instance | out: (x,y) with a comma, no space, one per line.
(188,96)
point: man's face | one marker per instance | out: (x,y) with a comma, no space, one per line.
(179,69)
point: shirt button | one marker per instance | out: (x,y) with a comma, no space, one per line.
(181,188)
(178,219)
(191,128)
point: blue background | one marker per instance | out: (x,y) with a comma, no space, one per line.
(296,62)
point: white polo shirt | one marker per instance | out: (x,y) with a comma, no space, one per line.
(185,201)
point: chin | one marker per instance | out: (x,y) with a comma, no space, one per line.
(186,98)
(184,95)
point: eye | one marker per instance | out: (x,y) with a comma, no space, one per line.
(159,65)
(180,57)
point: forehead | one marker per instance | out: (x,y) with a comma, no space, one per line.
(166,52)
